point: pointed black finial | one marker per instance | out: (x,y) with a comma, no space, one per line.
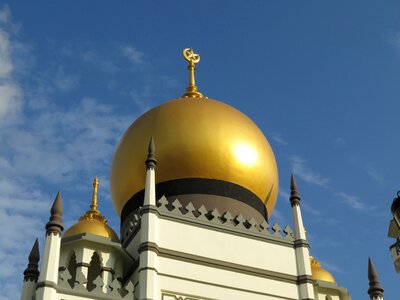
(375,288)
(31,272)
(151,161)
(55,225)
(294,194)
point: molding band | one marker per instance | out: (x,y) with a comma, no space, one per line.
(301,243)
(214,263)
(46,283)
(304,279)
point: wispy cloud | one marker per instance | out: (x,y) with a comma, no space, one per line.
(284,194)
(301,170)
(43,142)
(339,142)
(394,39)
(133,55)
(10,91)
(332,267)
(103,63)
(354,202)
(63,81)
(308,208)
(373,173)
(279,139)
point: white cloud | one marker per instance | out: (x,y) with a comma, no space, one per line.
(284,194)
(59,146)
(10,92)
(5,15)
(300,169)
(105,64)
(10,100)
(354,202)
(339,142)
(133,55)
(395,39)
(46,143)
(308,208)
(278,138)
(331,267)
(373,173)
(65,82)
(5,57)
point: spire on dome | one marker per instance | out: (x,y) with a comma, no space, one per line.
(375,288)
(93,212)
(151,161)
(31,273)
(92,221)
(55,225)
(193,59)
(294,194)
(94,204)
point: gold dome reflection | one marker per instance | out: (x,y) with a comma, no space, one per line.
(246,154)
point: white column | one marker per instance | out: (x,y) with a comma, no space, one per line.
(148,265)
(83,258)
(108,262)
(302,252)
(28,290)
(46,286)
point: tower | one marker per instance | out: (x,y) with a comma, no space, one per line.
(375,290)
(46,286)
(31,274)
(194,182)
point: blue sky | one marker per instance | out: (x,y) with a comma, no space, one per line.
(320,78)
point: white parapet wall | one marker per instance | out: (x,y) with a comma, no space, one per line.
(217,257)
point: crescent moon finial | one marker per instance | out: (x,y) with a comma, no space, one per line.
(193,59)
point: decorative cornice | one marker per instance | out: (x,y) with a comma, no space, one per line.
(209,219)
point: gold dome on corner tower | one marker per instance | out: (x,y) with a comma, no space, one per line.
(93,221)
(198,141)
(319,273)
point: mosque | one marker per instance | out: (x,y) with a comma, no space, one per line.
(194,182)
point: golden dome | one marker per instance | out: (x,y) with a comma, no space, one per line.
(93,221)
(195,138)
(203,147)
(319,273)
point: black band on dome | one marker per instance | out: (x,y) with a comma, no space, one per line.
(198,186)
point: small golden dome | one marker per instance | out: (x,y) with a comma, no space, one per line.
(93,221)
(319,273)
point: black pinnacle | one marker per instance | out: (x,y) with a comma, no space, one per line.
(375,288)
(294,194)
(151,161)
(31,272)
(55,225)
